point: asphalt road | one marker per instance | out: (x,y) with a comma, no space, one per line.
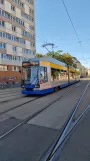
(30,141)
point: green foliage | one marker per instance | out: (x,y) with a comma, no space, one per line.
(54,74)
(75,66)
(54,55)
(39,55)
(67,59)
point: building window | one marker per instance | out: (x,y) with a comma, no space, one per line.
(3,68)
(27,34)
(21,4)
(26,51)
(34,52)
(10,57)
(2,23)
(24,15)
(12,8)
(2,45)
(13,28)
(14,68)
(30,1)
(14,19)
(14,48)
(31,11)
(1,1)
(11,37)
(31,28)
(32,44)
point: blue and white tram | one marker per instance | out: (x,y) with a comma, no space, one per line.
(45,75)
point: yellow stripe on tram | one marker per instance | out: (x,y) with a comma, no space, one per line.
(52,65)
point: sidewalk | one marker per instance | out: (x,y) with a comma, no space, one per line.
(77,147)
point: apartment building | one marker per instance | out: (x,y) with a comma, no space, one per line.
(17,36)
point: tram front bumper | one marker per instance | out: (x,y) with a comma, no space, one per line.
(37,92)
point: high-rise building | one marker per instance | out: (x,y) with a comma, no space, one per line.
(17,36)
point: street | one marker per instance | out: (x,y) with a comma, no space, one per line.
(30,124)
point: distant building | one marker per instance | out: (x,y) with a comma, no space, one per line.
(82,69)
(17,36)
(89,72)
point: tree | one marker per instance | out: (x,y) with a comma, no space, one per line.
(75,66)
(54,55)
(68,60)
(54,74)
(39,55)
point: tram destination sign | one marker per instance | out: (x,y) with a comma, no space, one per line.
(31,63)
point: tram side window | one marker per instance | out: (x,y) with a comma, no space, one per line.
(43,75)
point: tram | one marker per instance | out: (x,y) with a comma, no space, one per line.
(44,75)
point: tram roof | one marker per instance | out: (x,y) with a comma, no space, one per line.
(48,59)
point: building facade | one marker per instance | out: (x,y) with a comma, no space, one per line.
(89,72)
(17,36)
(82,69)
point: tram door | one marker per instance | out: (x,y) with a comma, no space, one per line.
(35,76)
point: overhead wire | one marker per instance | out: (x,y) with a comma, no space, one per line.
(71,20)
(79,41)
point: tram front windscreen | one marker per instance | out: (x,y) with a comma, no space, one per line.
(30,74)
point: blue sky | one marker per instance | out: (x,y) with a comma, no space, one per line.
(53,25)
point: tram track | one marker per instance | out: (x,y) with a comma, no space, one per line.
(4,112)
(3,93)
(9,95)
(8,100)
(31,116)
(15,98)
(31,100)
(66,130)
(5,101)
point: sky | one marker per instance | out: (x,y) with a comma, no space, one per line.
(53,26)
